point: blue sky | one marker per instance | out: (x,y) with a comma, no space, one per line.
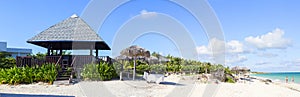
(259,34)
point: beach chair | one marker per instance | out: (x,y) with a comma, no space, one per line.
(155,78)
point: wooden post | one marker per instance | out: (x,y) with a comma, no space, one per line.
(60,52)
(51,51)
(56,53)
(97,53)
(48,52)
(91,52)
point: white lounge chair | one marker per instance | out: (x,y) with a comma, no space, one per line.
(157,78)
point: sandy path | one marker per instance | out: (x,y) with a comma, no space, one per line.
(71,90)
(184,88)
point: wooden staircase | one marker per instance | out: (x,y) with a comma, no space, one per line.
(66,73)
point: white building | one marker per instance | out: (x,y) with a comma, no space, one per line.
(14,51)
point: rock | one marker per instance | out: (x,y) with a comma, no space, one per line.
(40,83)
(56,85)
(268,80)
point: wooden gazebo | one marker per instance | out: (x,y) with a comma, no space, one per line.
(70,34)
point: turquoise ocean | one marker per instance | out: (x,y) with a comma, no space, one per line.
(280,76)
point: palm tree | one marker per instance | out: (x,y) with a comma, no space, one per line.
(134,52)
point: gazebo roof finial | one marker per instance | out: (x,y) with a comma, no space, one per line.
(74,16)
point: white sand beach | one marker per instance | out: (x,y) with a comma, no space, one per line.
(169,89)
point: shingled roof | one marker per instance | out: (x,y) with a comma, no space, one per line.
(70,32)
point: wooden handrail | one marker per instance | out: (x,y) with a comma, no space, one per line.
(58,60)
(73,61)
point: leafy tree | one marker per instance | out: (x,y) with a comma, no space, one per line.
(155,54)
(6,61)
(38,55)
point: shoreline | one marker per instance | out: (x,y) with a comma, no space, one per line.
(293,77)
(290,85)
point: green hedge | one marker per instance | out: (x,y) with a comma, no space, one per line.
(16,75)
(229,80)
(102,71)
(140,69)
(158,68)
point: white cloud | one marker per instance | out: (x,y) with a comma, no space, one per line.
(295,62)
(236,59)
(270,40)
(235,46)
(146,14)
(267,55)
(217,46)
(263,63)
(203,50)
(232,50)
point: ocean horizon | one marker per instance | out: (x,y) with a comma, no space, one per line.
(280,76)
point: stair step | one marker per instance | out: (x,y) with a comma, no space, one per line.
(64,75)
(64,71)
(63,78)
(61,82)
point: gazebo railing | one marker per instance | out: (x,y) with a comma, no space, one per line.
(78,61)
(53,59)
(28,61)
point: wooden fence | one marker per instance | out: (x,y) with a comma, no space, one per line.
(73,60)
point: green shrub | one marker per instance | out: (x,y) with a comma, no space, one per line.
(3,76)
(229,80)
(191,68)
(142,68)
(90,72)
(27,74)
(102,71)
(38,74)
(16,75)
(50,73)
(106,71)
(158,68)
(118,67)
(7,62)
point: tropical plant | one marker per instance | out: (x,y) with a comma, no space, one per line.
(191,68)
(27,74)
(50,73)
(90,72)
(102,71)
(3,76)
(158,68)
(229,80)
(142,68)
(118,67)
(6,61)
(17,75)
(106,71)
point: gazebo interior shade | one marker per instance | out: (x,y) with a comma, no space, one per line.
(72,45)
